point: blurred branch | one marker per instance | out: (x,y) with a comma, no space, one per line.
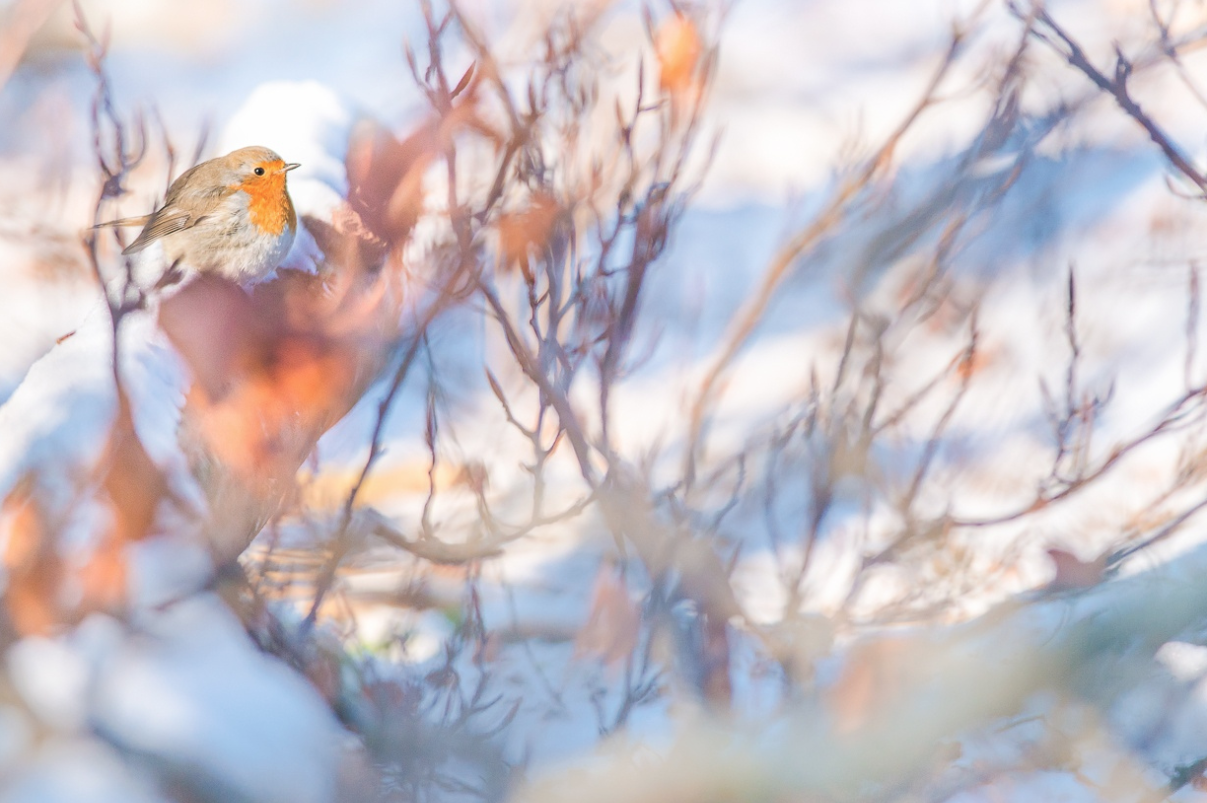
(1060,41)
(1171,51)
(946,683)
(24,19)
(343,540)
(1174,420)
(835,211)
(116,159)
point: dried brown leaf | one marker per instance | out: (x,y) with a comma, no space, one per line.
(35,570)
(527,230)
(614,623)
(1073,572)
(385,178)
(270,377)
(679,50)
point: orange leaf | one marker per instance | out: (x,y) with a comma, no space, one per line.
(35,570)
(614,623)
(876,674)
(527,230)
(270,377)
(133,483)
(679,49)
(718,689)
(1073,572)
(385,178)
(104,578)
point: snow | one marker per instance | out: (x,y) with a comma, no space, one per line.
(74,769)
(52,679)
(190,689)
(186,688)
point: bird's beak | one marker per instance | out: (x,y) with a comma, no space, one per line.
(291,166)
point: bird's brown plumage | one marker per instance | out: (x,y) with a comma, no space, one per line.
(209,229)
(190,199)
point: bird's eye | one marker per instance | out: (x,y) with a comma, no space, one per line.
(259,171)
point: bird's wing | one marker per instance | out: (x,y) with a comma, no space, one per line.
(189,201)
(163,222)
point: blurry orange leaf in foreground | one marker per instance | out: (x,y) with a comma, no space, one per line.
(976,362)
(1073,572)
(876,674)
(104,578)
(678,47)
(385,174)
(346,241)
(614,623)
(131,487)
(528,229)
(717,687)
(215,329)
(34,568)
(269,378)
(385,177)
(134,484)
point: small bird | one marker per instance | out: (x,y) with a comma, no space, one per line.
(230,216)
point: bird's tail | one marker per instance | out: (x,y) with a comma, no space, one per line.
(125,221)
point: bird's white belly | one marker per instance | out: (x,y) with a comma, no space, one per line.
(232,251)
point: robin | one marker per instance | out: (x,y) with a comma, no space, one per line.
(230,216)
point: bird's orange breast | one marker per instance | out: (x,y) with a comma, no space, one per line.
(268,207)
